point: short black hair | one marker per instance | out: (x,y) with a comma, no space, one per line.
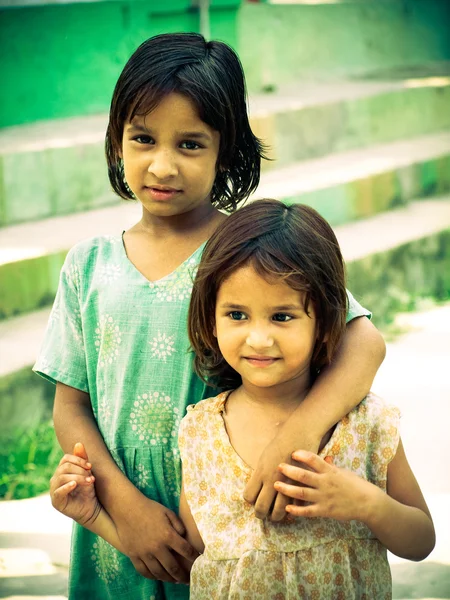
(211,76)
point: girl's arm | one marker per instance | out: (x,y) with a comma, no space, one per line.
(192,533)
(399,519)
(72,492)
(338,389)
(150,534)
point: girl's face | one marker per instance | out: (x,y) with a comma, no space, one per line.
(170,158)
(263,331)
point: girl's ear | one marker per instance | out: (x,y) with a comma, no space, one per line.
(214,331)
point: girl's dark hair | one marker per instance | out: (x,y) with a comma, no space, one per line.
(293,244)
(211,76)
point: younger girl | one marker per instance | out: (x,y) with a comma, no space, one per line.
(178,142)
(267,313)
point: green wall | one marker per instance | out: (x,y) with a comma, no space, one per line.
(62,60)
(279,44)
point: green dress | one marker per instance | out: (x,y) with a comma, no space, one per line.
(123,339)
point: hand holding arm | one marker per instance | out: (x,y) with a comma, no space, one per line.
(149,533)
(338,389)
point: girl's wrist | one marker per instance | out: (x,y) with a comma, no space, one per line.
(91,519)
(370,505)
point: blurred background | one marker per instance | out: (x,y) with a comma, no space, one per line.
(353,99)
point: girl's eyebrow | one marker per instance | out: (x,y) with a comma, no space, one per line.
(230,306)
(281,308)
(197,135)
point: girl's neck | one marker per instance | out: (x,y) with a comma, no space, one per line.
(199,223)
(279,401)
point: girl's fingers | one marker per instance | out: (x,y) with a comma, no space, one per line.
(296,492)
(311,460)
(67,468)
(80,451)
(75,460)
(61,481)
(63,491)
(303,476)
(302,511)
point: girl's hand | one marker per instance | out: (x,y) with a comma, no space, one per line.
(260,489)
(152,537)
(72,487)
(327,490)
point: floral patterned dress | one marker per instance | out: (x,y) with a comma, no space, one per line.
(123,339)
(246,558)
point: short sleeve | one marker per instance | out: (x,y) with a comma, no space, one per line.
(62,357)
(355,309)
(383,437)
(187,434)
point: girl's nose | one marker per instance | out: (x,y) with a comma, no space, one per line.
(163,165)
(259,337)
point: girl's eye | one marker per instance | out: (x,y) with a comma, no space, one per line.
(189,145)
(143,139)
(237,315)
(281,317)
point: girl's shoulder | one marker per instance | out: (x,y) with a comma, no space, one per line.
(95,246)
(209,405)
(374,410)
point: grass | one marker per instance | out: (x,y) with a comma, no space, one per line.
(28,459)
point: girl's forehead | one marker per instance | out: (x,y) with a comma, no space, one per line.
(151,106)
(247,276)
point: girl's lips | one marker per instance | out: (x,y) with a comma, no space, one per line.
(158,194)
(265,361)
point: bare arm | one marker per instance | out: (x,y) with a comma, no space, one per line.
(192,533)
(400,519)
(338,389)
(150,534)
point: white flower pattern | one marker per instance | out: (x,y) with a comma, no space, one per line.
(162,346)
(141,477)
(154,418)
(106,560)
(73,274)
(178,285)
(107,340)
(108,274)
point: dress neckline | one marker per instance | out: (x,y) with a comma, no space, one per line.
(239,461)
(162,279)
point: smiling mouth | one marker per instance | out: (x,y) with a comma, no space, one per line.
(261,361)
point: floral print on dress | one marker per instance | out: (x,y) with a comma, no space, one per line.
(245,558)
(106,560)
(72,274)
(55,314)
(104,410)
(178,285)
(162,346)
(108,274)
(141,477)
(154,418)
(107,340)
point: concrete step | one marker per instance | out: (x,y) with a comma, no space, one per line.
(393,259)
(66,170)
(343,187)
(359,183)
(310,120)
